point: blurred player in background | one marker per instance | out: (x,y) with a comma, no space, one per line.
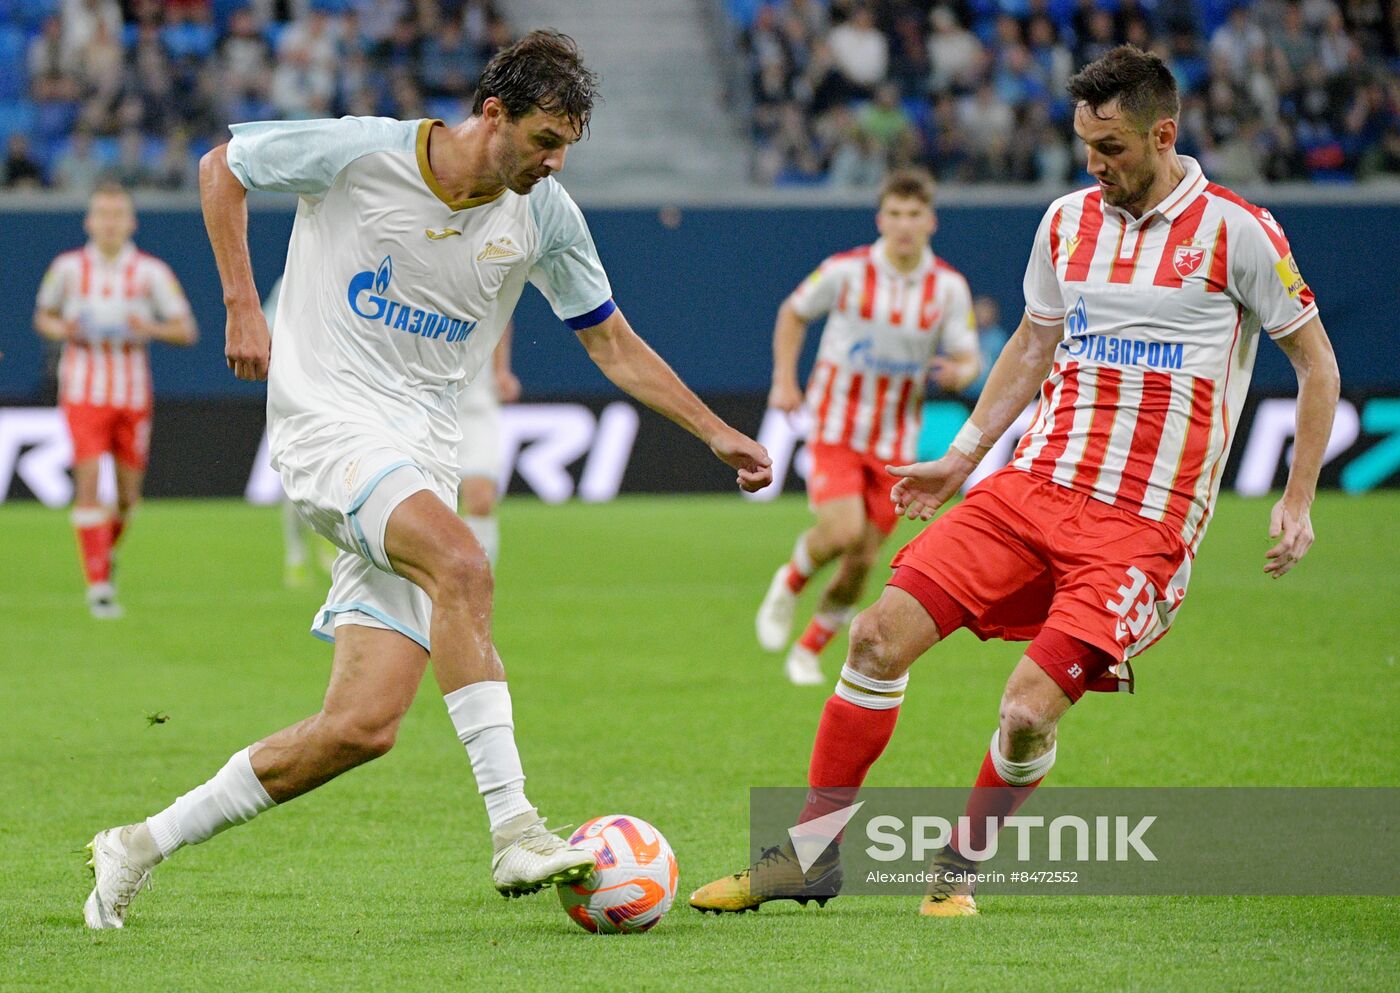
(105,302)
(411,246)
(897,315)
(301,545)
(479,455)
(1146,296)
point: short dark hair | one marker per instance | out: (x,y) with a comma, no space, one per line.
(544,70)
(1141,82)
(915,184)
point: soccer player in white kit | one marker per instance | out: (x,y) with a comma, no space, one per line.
(106,302)
(896,316)
(412,243)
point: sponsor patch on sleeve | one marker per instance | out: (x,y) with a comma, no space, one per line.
(1289,276)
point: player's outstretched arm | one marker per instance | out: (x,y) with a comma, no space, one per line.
(1015,377)
(225,203)
(634,368)
(789,331)
(1319,385)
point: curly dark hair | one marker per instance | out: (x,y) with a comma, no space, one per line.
(1141,82)
(545,70)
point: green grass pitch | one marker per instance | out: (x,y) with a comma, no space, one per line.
(627,631)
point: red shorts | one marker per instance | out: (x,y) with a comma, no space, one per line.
(838,471)
(1021,553)
(95,430)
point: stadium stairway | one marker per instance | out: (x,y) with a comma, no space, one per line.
(662,128)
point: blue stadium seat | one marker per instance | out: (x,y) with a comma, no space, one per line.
(16,117)
(14,74)
(31,13)
(744,11)
(53,119)
(189,40)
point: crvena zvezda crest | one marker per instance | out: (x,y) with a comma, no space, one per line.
(1188,259)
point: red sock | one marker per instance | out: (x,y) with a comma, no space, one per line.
(818,635)
(118,526)
(849,740)
(94,532)
(994,797)
(795,580)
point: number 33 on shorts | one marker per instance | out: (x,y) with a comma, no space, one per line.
(1142,615)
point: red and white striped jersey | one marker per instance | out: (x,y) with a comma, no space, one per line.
(108,368)
(883,328)
(1161,316)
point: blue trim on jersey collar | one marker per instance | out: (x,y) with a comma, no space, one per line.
(594,317)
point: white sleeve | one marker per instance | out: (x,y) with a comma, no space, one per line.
(1045,304)
(1265,278)
(567,269)
(166,293)
(54,287)
(304,157)
(959,333)
(817,294)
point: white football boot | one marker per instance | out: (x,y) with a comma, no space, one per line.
(774,621)
(529,856)
(803,668)
(120,870)
(102,602)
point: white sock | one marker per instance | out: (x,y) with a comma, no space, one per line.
(801,559)
(1020,773)
(292,540)
(481,713)
(488,531)
(233,796)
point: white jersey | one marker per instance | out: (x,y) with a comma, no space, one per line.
(883,327)
(108,367)
(394,296)
(1162,315)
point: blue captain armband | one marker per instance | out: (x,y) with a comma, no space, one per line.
(596,316)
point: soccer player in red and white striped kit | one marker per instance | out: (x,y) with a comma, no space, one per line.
(896,315)
(1146,296)
(105,302)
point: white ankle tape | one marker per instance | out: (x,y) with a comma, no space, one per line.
(1020,773)
(872,694)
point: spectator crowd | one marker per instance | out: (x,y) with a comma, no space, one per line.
(1272,90)
(135,91)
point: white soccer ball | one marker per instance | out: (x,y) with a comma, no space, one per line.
(633,883)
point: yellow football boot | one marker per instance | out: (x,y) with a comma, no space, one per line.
(776,875)
(954,883)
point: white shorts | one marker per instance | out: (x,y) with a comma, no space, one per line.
(348,499)
(479,414)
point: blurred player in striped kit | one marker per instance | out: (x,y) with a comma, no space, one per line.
(105,302)
(897,315)
(479,453)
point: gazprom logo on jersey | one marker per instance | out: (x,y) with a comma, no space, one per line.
(1080,344)
(862,356)
(368,296)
